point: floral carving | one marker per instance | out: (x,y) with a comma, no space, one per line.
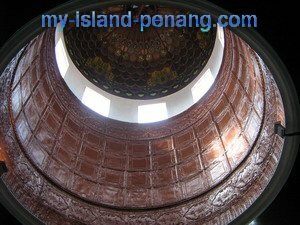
(161,77)
(97,63)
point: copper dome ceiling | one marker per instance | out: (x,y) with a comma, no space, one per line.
(140,65)
(192,166)
(122,165)
(209,165)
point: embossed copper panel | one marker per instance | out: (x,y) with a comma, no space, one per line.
(109,169)
(72,166)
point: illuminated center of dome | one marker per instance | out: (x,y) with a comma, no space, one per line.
(139,65)
(138,77)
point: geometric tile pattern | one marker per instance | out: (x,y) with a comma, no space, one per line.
(29,154)
(108,169)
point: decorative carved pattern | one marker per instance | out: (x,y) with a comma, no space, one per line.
(122,61)
(51,200)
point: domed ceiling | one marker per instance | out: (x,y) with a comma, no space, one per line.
(209,165)
(140,65)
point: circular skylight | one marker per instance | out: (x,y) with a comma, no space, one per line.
(133,110)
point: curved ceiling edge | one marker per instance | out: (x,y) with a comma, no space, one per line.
(280,74)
